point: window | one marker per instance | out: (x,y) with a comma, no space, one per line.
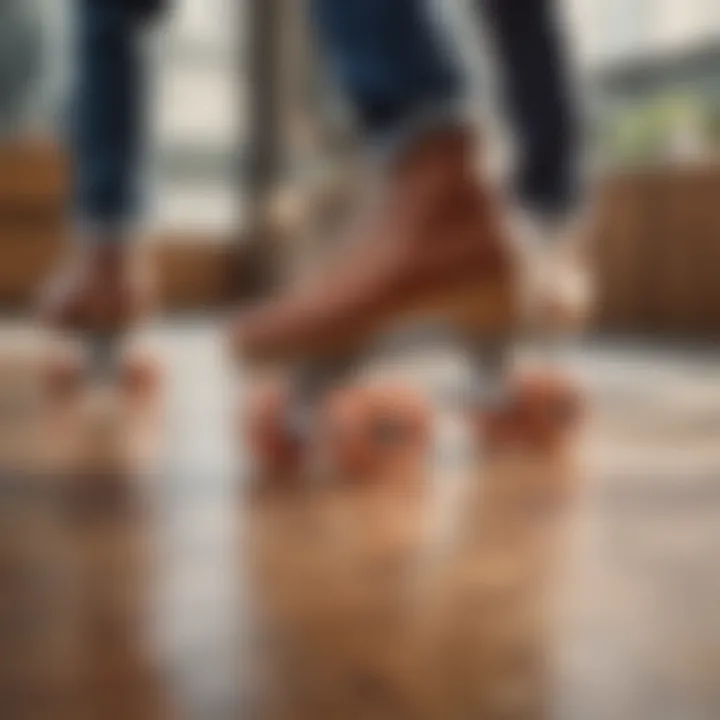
(196,123)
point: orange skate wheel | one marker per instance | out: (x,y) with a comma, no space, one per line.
(275,450)
(367,431)
(542,414)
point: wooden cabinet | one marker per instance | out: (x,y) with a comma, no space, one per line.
(657,252)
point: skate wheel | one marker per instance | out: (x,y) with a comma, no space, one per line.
(372,430)
(543,413)
(276,452)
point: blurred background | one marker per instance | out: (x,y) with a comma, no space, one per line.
(499,589)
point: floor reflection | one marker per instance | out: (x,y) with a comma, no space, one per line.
(478,588)
(370,609)
(76,594)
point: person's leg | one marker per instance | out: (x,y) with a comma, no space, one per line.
(100,283)
(107,118)
(538,96)
(538,91)
(546,404)
(391,64)
(396,71)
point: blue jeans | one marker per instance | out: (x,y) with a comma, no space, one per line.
(390,63)
(108,110)
(396,69)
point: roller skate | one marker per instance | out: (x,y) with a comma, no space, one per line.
(97,388)
(540,408)
(433,251)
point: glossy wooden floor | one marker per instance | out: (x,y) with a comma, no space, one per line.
(464,587)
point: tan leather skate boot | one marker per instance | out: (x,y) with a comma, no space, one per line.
(101,288)
(100,294)
(435,249)
(102,389)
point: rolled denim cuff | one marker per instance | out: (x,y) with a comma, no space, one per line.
(389,146)
(552,205)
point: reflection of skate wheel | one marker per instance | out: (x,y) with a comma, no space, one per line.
(542,414)
(275,450)
(364,431)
